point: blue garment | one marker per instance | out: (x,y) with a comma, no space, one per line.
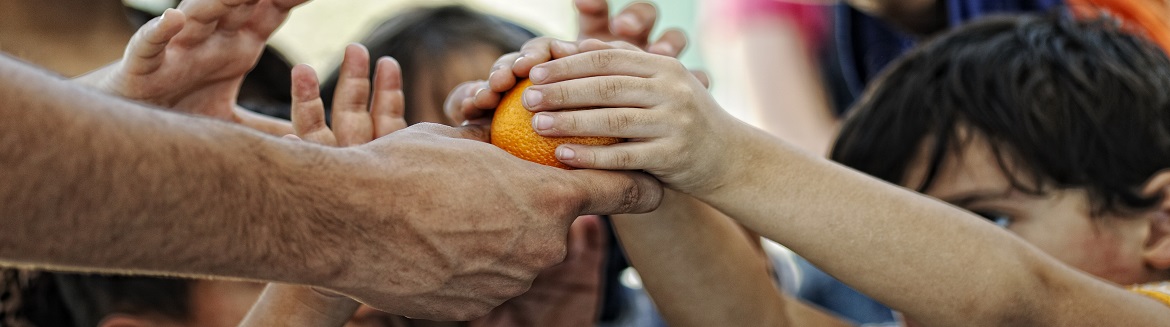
(868,44)
(817,287)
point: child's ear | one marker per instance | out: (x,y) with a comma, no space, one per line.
(1157,249)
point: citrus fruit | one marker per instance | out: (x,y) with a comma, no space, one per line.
(512,131)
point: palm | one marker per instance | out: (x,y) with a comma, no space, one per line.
(201,68)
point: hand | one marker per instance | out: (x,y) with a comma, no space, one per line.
(194,59)
(358,118)
(475,100)
(676,131)
(566,294)
(481,225)
(633,25)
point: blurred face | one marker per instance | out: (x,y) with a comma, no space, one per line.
(430,91)
(1058,222)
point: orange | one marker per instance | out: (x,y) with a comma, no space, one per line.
(512,131)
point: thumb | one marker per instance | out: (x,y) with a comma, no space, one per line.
(614,192)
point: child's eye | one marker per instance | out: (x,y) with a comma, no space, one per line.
(998,219)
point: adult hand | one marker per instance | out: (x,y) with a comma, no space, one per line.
(566,294)
(194,59)
(480,226)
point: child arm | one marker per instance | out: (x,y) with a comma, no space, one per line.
(940,265)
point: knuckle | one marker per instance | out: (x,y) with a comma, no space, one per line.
(618,122)
(602,59)
(609,89)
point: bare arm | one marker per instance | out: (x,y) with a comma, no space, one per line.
(99,184)
(941,265)
(848,223)
(922,17)
(685,244)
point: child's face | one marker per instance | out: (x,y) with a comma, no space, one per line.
(1059,222)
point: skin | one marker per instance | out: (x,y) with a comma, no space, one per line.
(262,206)
(226,38)
(681,136)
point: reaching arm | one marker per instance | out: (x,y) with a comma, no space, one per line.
(685,244)
(922,17)
(99,184)
(849,224)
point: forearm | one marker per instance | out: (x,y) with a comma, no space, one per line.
(97,183)
(935,262)
(702,270)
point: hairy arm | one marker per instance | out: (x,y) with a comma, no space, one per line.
(685,244)
(96,182)
(922,17)
(848,224)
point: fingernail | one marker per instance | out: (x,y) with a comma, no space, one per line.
(532,98)
(538,74)
(542,122)
(518,59)
(564,153)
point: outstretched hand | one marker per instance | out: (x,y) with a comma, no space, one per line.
(194,59)
(358,117)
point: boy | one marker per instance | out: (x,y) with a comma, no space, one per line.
(1056,130)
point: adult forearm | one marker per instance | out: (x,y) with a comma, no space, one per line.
(96,183)
(919,255)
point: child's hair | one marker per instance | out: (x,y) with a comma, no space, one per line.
(423,38)
(1073,104)
(83,300)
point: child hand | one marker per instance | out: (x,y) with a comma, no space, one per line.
(675,130)
(358,117)
(193,59)
(476,100)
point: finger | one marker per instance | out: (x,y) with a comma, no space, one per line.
(351,117)
(148,46)
(598,45)
(702,77)
(291,137)
(501,77)
(453,106)
(534,52)
(586,241)
(485,99)
(590,92)
(635,23)
(600,63)
(592,18)
(608,192)
(629,123)
(621,156)
(308,112)
(210,11)
(671,44)
(243,14)
(388,106)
